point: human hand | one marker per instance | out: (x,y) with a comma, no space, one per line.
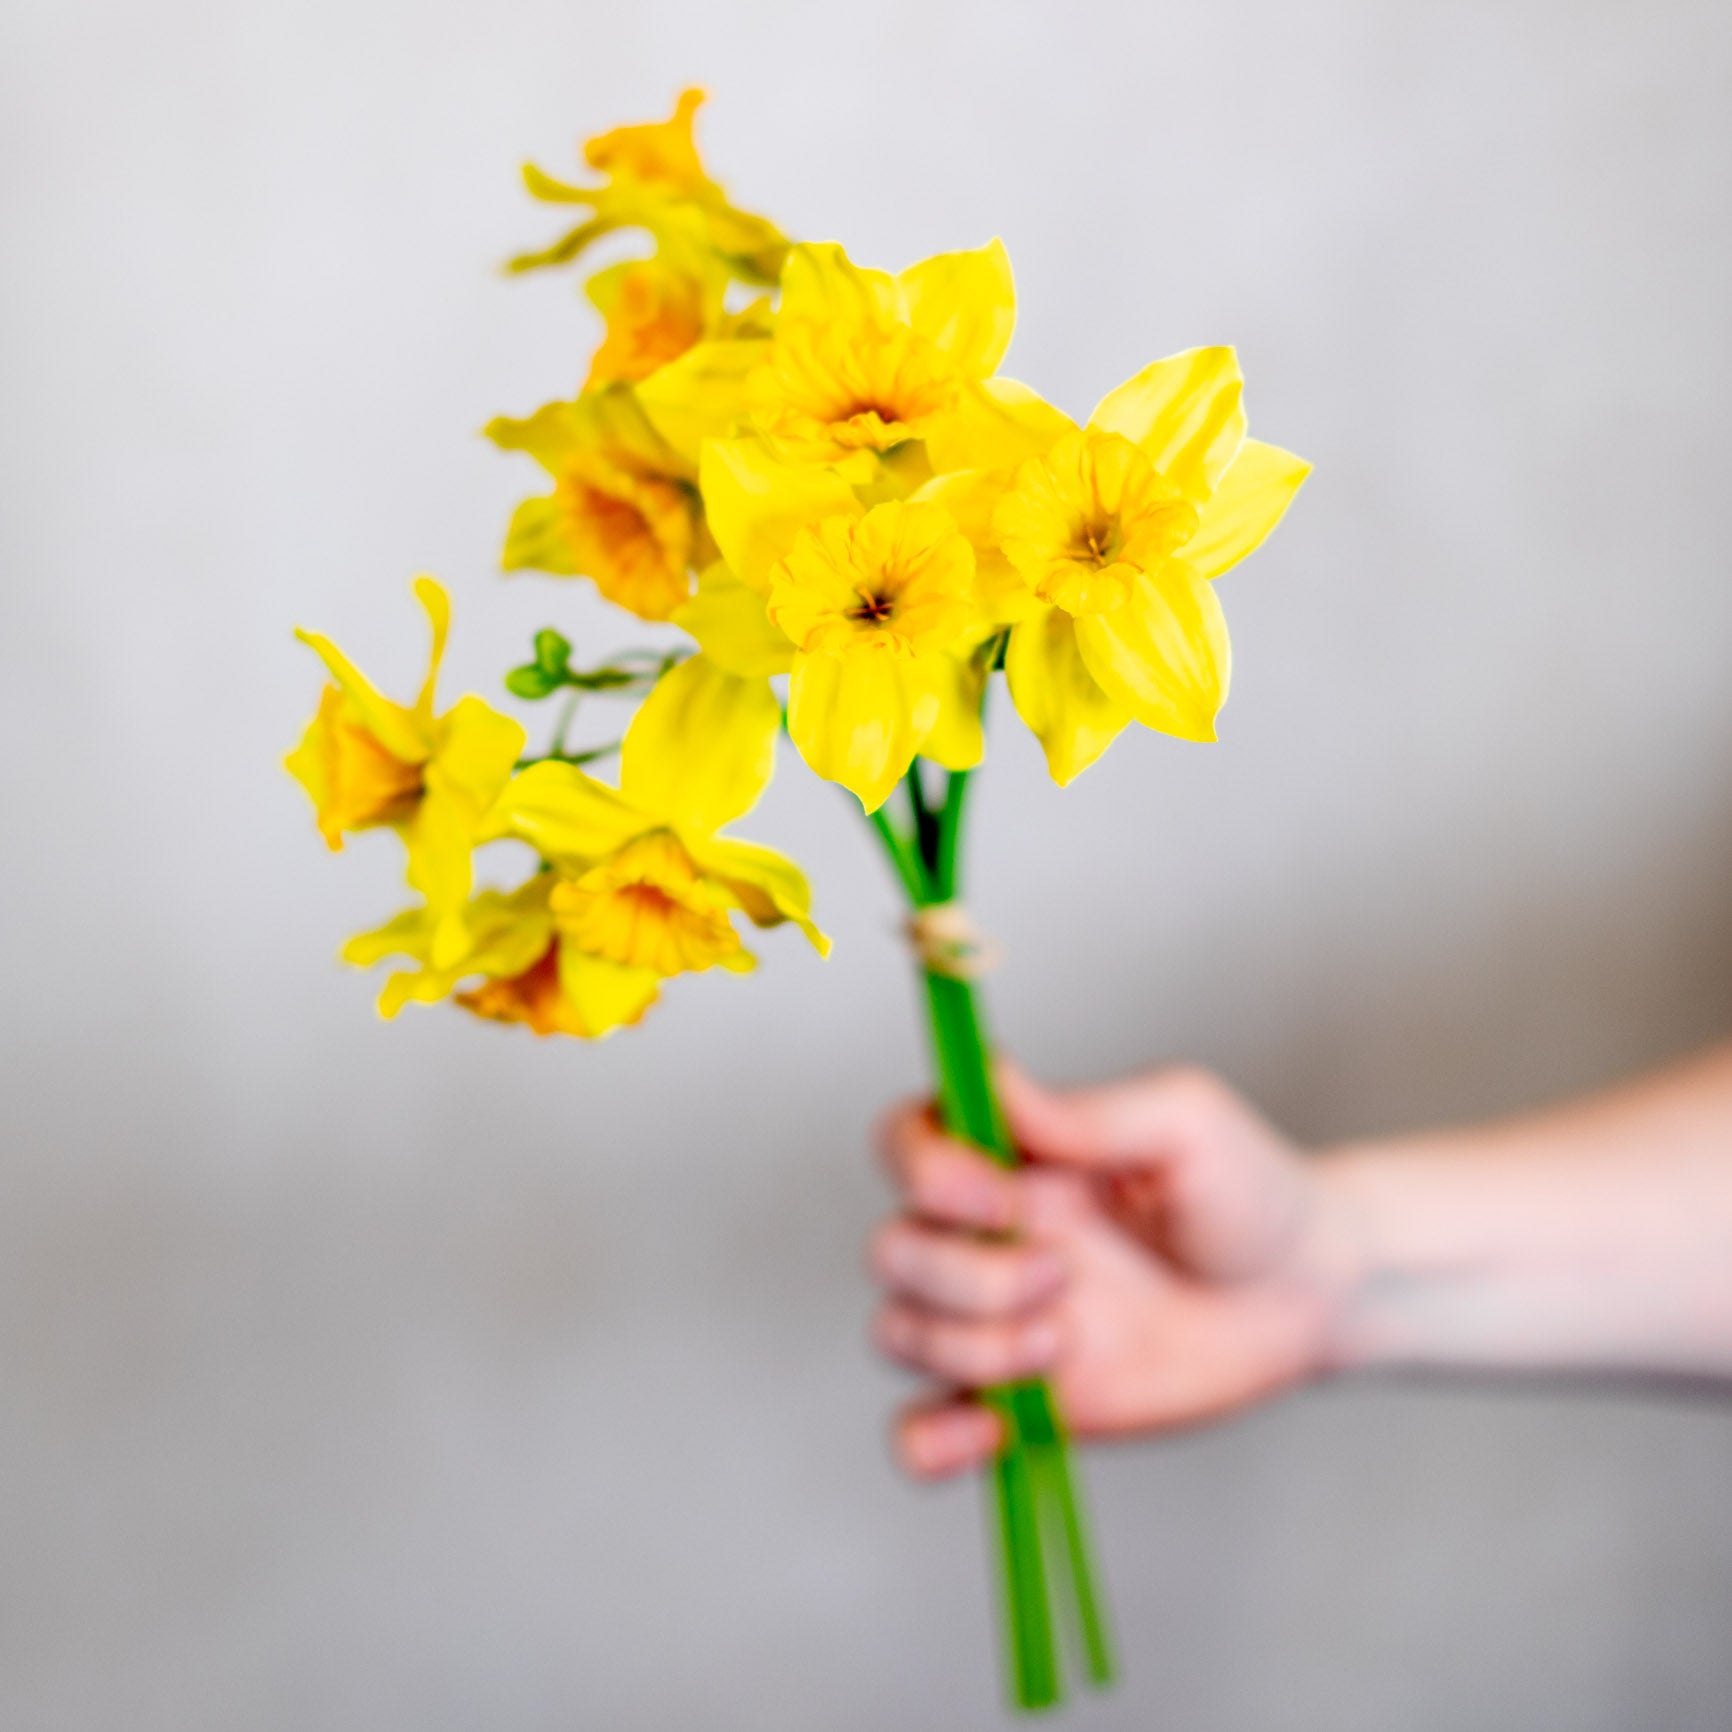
(1164,1256)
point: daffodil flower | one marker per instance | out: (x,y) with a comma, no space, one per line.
(645,879)
(624,511)
(879,376)
(529,971)
(655,180)
(870,610)
(1098,551)
(654,310)
(369,763)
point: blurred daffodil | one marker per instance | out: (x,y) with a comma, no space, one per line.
(645,879)
(657,309)
(624,511)
(522,967)
(367,763)
(655,180)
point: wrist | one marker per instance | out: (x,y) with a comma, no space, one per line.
(1360,1255)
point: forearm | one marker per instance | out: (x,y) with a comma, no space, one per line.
(1592,1236)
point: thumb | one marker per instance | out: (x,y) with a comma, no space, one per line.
(1143,1121)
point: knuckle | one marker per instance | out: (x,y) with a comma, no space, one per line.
(1193,1088)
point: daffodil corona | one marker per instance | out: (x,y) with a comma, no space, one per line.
(812,478)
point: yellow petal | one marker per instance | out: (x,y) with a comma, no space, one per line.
(605,995)
(550,435)
(500,934)
(539,539)
(310,763)
(965,303)
(509,930)
(702,747)
(1056,695)
(1251,499)
(1164,653)
(609,420)
(702,394)
(477,751)
(820,282)
(439,839)
(733,627)
(971,496)
(859,719)
(957,740)
(400,731)
(757,505)
(422,986)
(431,595)
(404,934)
(768,886)
(997,425)
(566,814)
(1186,415)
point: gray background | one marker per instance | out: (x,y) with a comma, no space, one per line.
(427,1376)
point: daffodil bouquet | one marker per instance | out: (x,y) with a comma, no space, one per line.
(818,475)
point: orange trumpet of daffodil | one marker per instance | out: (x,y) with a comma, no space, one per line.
(624,511)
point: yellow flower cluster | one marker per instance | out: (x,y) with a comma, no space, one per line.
(834,485)
(636,883)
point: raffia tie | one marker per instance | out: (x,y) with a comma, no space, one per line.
(948,942)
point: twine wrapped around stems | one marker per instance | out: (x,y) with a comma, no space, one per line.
(947,942)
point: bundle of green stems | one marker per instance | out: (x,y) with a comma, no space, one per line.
(1048,1575)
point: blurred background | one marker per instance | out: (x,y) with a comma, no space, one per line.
(423,1377)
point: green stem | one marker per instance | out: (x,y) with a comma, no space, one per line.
(902,856)
(928,825)
(1043,1532)
(563,726)
(950,836)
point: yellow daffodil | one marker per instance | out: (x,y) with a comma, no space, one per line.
(875,608)
(655,180)
(645,879)
(367,763)
(623,512)
(880,377)
(657,309)
(525,967)
(654,312)
(1098,550)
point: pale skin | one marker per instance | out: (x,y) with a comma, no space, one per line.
(1167,1257)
